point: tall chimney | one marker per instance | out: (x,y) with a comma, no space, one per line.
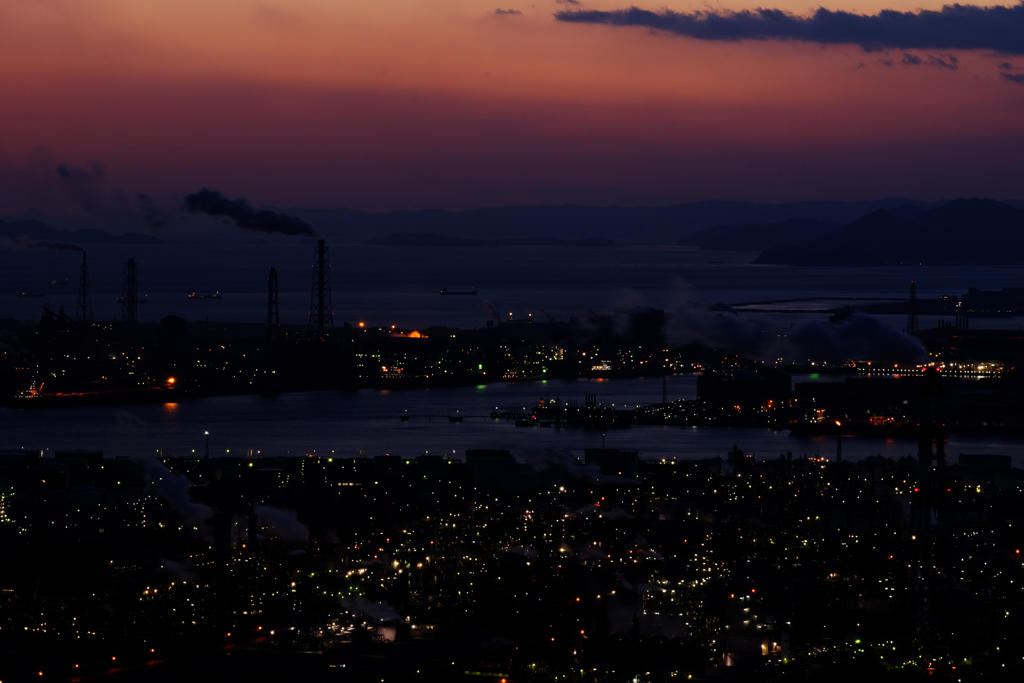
(273,316)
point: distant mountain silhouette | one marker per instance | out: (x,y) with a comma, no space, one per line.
(758,236)
(28,232)
(659,225)
(962,232)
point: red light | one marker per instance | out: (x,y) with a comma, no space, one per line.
(917,489)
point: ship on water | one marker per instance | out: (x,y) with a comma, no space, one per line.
(193,294)
(459,292)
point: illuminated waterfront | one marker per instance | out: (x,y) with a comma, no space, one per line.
(367,422)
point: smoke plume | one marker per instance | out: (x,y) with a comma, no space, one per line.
(213,203)
(152,213)
(174,488)
(858,337)
(285,523)
(687,320)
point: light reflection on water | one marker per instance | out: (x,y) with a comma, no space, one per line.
(366,423)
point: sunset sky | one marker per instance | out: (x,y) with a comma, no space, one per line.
(408,104)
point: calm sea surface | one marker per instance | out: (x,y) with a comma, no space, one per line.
(367,423)
(386,285)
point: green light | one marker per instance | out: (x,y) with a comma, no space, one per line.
(814,375)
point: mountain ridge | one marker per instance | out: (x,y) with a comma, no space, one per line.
(969,231)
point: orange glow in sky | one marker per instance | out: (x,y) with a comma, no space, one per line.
(406,104)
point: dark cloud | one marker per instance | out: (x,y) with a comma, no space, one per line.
(945,62)
(909,59)
(954,27)
(1005,68)
(567,2)
(213,203)
(506,12)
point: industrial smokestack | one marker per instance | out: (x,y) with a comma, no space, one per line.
(321,315)
(84,297)
(960,320)
(912,311)
(273,316)
(129,293)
